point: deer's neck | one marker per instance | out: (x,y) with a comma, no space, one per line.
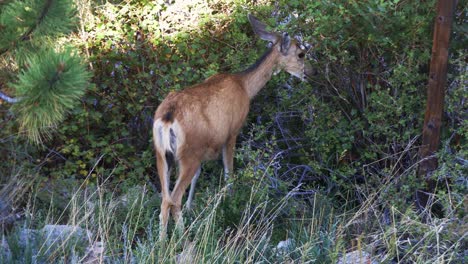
(255,77)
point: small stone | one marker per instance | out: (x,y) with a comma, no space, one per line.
(94,253)
(356,257)
(285,246)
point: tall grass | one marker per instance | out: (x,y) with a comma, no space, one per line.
(126,227)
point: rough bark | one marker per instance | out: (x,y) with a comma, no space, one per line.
(435,97)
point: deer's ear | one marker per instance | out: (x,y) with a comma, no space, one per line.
(285,43)
(260,29)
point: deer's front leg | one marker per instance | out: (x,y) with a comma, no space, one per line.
(228,157)
(188,204)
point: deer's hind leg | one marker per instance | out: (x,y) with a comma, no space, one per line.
(164,172)
(188,168)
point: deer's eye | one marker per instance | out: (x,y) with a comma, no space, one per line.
(301,55)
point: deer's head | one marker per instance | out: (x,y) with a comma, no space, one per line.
(293,53)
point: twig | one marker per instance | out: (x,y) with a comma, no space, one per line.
(9,99)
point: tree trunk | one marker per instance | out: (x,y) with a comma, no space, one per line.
(435,98)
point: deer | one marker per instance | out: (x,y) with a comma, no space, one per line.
(203,121)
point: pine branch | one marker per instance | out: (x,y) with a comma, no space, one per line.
(48,89)
(39,21)
(27,34)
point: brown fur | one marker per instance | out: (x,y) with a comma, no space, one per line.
(204,120)
(214,110)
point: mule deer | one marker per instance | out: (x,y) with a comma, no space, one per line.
(202,121)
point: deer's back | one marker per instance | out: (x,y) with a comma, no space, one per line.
(209,113)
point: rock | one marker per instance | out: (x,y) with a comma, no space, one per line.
(94,253)
(356,257)
(54,237)
(63,233)
(58,237)
(285,246)
(27,237)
